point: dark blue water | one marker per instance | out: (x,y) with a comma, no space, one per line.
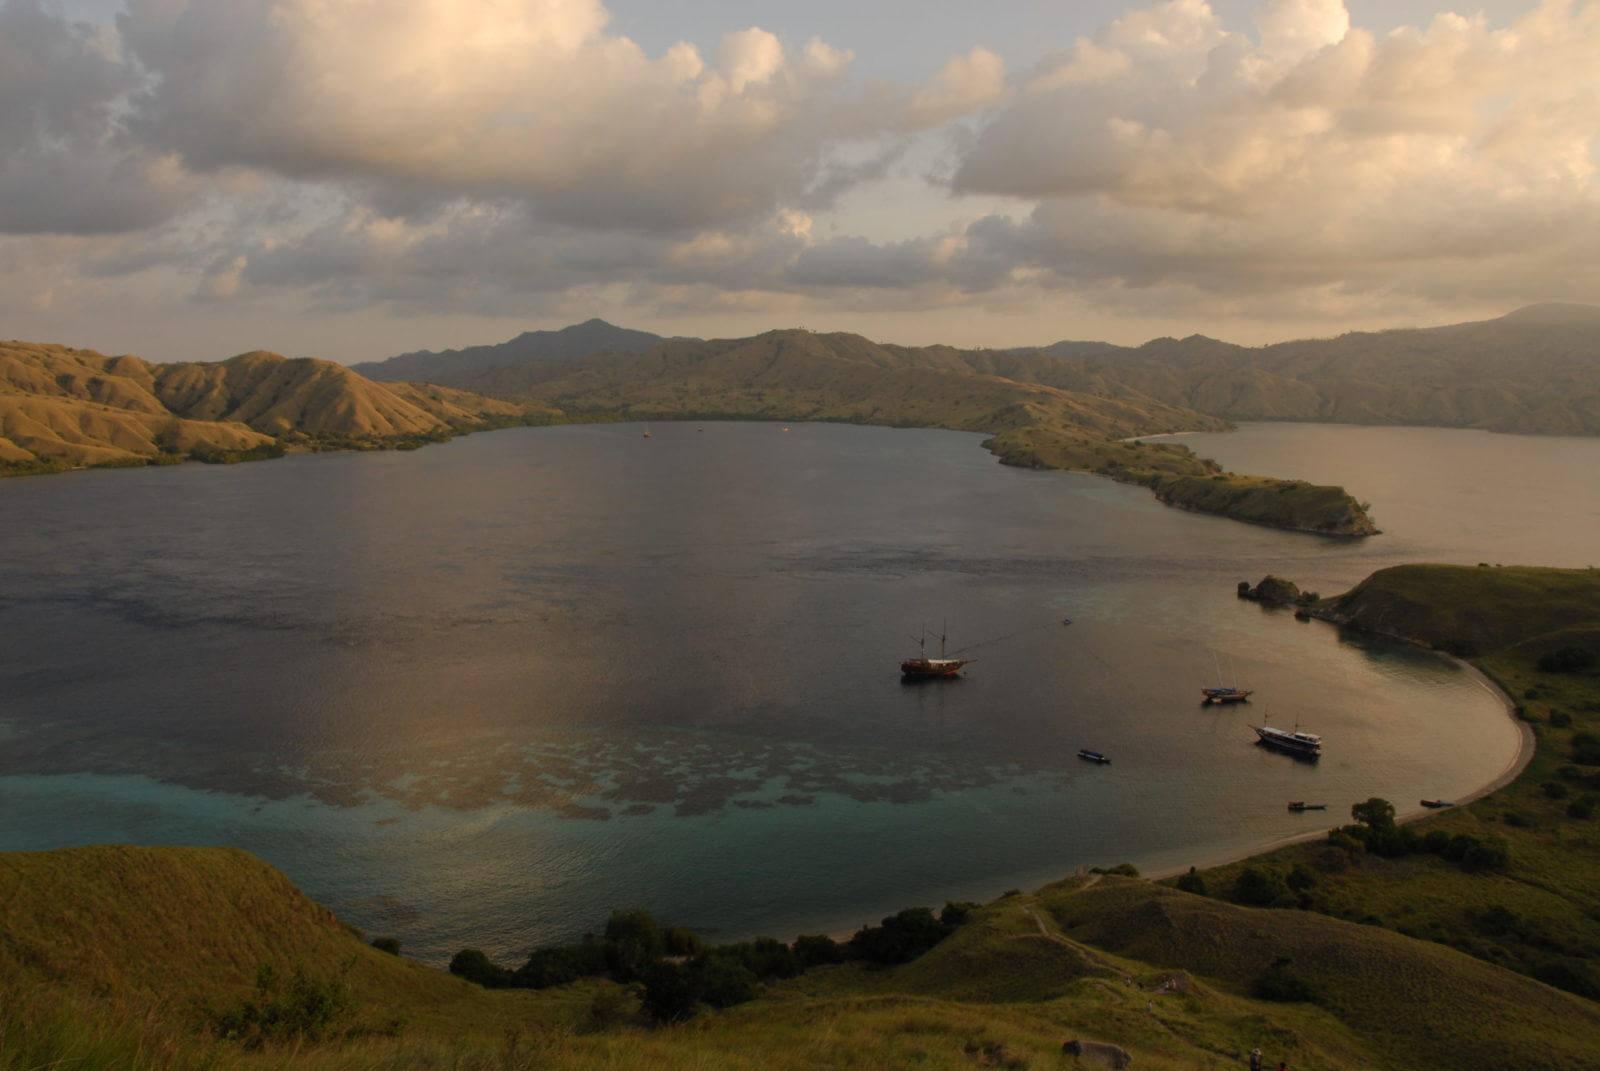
(483,692)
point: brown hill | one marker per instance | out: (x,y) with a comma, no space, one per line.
(68,408)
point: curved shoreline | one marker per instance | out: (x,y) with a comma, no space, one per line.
(1513,769)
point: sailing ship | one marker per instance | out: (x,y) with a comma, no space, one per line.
(1299,744)
(924,668)
(1224,693)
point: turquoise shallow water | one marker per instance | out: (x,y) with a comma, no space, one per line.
(484,692)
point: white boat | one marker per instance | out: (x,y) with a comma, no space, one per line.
(1295,742)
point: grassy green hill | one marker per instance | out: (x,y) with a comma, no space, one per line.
(129,957)
(1539,913)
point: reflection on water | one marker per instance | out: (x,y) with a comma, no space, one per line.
(482,692)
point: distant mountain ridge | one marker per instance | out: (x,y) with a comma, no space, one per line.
(450,367)
(1535,370)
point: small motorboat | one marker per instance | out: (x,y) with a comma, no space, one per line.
(1297,805)
(1093,756)
(1436,804)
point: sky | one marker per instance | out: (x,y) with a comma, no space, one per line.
(188,179)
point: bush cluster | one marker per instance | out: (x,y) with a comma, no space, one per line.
(303,1008)
(678,973)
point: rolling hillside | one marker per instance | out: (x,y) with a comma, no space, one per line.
(138,958)
(67,408)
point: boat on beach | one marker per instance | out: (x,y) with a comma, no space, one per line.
(1093,756)
(1436,804)
(1294,742)
(1298,805)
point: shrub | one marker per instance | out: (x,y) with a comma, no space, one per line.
(305,1009)
(1567,660)
(612,1006)
(1560,719)
(722,981)
(1300,878)
(390,945)
(669,994)
(1485,856)
(633,942)
(1342,840)
(1518,820)
(1280,982)
(1437,842)
(1555,790)
(678,941)
(956,913)
(556,965)
(764,958)
(900,939)
(816,950)
(1261,888)
(473,965)
(1583,807)
(1192,882)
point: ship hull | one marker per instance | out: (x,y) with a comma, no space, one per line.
(1225,697)
(931,669)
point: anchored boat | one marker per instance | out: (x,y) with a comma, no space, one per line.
(1296,743)
(1224,693)
(924,668)
(1093,756)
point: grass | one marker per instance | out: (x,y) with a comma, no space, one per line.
(112,957)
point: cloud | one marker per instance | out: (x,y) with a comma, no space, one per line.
(531,99)
(1166,150)
(493,156)
(66,167)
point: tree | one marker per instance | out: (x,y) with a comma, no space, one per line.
(633,942)
(816,950)
(1261,888)
(1375,814)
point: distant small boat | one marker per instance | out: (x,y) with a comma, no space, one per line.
(1299,806)
(1093,756)
(647,433)
(785,429)
(1436,804)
